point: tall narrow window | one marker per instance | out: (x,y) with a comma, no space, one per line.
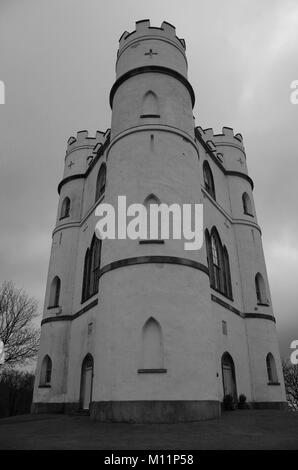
(152,345)
(227,274)
(218,264)
(91,269)
(46,371)
(95,252)
(86,276)
(247,207)
(150,106)
(55,292)
(101,181)
(228,376)
(209,256)
(261,289)
(271,369)
(65,208)
(86,382)
(154,223)
(208,179)
(216,260)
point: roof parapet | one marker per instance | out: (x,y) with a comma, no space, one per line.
(227,136)
(82,139)
(143,28)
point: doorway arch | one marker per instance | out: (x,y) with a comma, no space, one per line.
(86,382)
(229,376)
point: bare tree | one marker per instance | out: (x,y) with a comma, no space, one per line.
(19,335)
(291,383)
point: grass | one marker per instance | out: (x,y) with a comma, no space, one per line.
(245,429)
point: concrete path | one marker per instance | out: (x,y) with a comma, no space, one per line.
(246,429)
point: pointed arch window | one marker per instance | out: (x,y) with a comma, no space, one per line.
(208,179)
(55,292)
(152,346)
(152,199)
(271,369)
(227,274)
(91,269)
(46,371)
(261,292)
(218,263)
(247,206)
(86,382)
(150,105)
(65,208)
(229,376)
(216,260)
(101,181)
(86,276)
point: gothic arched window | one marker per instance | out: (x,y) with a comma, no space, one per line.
(46,371)
(152,345)
(55,292)
(208,179)
(247,207)
(150,107)
(86,276)
(261,289)
(65,208)
(91,269)
(152,200)
(271,369)
(218,263)
(101,181)
(227,274)
(216,260)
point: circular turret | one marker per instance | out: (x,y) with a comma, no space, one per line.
(151,81)
(151,46)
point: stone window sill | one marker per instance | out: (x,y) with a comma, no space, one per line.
(152,371)
(263,304)
(149,116)
(222,293)
(273,383)
(44,386)
(51,307)
(83,301)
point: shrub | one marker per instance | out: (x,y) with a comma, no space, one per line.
(242,402)
(228,402)
(242,399)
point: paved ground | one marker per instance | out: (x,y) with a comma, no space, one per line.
(245,429)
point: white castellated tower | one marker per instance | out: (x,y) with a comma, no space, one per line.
(144,331)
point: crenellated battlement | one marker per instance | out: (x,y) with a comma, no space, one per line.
(143,28)
(83,139)
(225,138)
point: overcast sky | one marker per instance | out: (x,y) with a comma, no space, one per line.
(57,60)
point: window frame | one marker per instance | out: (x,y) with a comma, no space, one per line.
(65,208)
(55,292)
(209,180)
(101,181)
